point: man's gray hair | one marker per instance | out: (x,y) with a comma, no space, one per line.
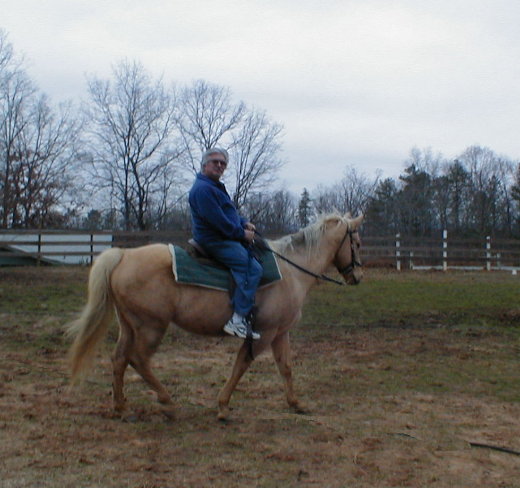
(214,150)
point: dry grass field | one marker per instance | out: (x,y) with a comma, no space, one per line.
(400,375)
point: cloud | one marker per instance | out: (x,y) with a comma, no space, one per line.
(353,82)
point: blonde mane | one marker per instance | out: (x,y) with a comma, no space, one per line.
(309,237)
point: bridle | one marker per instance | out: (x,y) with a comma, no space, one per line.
(354,261)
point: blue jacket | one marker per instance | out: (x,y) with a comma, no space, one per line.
(214,216)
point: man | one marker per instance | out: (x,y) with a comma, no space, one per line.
(224,235)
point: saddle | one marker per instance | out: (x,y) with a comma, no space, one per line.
(193,266)
(197,252)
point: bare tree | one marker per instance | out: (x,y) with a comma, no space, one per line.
(491,178)
(273,212)
(281,218)
(254,155)
(426,160)
(351,194)
(515,191)
(257,209)
(16,89)
(207,115)
(6,52)
(37,147)
(132,124)
(46,159)
(355,191)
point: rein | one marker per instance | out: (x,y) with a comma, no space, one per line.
(323,277)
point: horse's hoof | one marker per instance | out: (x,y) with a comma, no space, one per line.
(120,408)
(131,418)
(168,413)
(300,410)
(223,415)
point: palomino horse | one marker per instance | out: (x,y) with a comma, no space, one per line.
(140,285)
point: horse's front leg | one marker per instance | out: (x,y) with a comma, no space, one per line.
(242,362)
(282,356)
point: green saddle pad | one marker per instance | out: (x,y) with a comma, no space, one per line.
(192,271)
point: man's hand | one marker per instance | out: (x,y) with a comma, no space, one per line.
(249,235)
(250,226)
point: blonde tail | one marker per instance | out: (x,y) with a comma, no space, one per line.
(93,323)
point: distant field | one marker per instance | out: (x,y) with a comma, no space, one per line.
(420,298)
(399,374)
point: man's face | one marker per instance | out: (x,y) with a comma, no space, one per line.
(215,166)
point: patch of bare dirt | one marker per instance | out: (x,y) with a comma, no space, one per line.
(373,420)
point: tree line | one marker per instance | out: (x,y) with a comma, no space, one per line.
(475,194)
(125,159)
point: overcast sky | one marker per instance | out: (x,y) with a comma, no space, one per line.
(353,82)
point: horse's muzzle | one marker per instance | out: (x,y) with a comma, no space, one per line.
(354,277)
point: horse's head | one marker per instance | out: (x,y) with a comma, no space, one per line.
(347,258)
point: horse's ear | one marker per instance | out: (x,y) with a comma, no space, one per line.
(357,221)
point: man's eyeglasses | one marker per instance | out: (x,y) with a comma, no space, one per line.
(217,161)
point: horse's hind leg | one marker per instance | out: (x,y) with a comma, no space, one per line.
(120,361)
(147,340)
(135,346)
(282,355)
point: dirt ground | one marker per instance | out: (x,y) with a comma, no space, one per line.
(387,407)
(365,436)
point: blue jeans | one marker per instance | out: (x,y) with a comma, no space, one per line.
(245,269)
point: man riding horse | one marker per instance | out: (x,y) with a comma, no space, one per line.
(225,236)
(139,285)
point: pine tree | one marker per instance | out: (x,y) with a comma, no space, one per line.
(304,208)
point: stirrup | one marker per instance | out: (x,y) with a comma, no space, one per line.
(248,322)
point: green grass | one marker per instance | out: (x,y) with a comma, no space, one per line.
(383,298)
(42,290)
(480,310)
(418,299)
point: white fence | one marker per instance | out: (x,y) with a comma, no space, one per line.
(52,248)
(464,254)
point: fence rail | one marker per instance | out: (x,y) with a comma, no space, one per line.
(403,252)
(400,252)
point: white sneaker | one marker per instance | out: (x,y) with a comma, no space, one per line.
(237,327)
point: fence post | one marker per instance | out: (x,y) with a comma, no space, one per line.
(488,253)
(91,248)
(398,252)
(39,252)
(445,250)
(411,260)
